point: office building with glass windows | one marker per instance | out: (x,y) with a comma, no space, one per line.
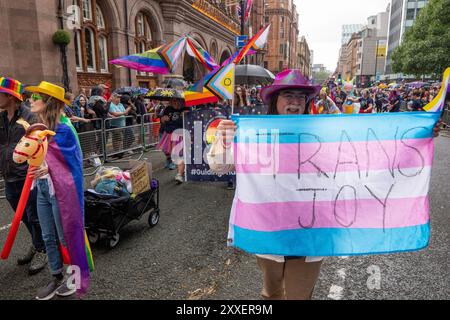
(402,16)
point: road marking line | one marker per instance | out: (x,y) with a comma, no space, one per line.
(5,227)
(337,292)
(341,273)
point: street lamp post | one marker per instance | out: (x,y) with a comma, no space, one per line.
(243,4)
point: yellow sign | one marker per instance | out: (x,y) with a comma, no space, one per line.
(217,15)
(382,49)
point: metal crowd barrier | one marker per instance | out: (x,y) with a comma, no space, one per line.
(92,145)
(446,119)
(101,141)
(151,131)
(123,136)
(110,140)
(2,189)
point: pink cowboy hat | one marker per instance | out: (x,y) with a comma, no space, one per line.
(290,79)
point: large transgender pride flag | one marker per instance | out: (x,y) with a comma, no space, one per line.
(332,185)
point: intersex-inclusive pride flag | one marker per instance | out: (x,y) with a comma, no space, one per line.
(438,103)
(332,185)
(170,53)
(195,50)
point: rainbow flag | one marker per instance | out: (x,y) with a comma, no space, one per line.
(438,103)
(358,189)
(65,164)
(198,98)
(194,49)
(149,61)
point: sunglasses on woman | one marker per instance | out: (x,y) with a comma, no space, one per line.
(36,97)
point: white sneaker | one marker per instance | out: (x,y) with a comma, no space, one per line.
(179,179)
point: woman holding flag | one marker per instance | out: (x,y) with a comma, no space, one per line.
(60,194)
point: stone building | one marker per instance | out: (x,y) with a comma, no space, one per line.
(348,66)
(102,30)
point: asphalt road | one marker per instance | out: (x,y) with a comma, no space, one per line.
(185,256)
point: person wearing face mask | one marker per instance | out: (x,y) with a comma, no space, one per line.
(285,278)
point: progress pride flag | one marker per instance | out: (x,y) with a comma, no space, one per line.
(332,185)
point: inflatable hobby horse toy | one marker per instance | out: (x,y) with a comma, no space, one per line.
(32,148)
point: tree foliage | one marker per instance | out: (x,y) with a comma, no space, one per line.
(425,49)
(320,77)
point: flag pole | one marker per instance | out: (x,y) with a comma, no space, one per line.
(234,89)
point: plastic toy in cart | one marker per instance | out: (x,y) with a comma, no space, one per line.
(107,215)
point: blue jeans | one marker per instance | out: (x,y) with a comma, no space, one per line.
(52,231)
(13,191)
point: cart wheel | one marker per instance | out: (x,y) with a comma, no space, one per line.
(93,237)
(114,241)
(153,218)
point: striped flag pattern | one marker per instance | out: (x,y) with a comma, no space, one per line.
(305,190)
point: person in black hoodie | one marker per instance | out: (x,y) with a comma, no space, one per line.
(14,175)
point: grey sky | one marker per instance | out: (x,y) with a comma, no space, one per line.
(321,23)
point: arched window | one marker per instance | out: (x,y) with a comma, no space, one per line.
(140,26)
(100,18)
(144,33)
(214,50)
(103,52)
(87,9)
(89,44)
(78,55)
(91,40)
(225,55)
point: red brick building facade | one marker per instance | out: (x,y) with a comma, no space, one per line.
(102,30)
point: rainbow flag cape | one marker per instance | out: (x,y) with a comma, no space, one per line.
(65,164)
(149,61)
(437,105)
(358,189)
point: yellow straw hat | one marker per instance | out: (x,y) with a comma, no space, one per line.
(51,90)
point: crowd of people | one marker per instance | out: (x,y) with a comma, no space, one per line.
(377,99)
